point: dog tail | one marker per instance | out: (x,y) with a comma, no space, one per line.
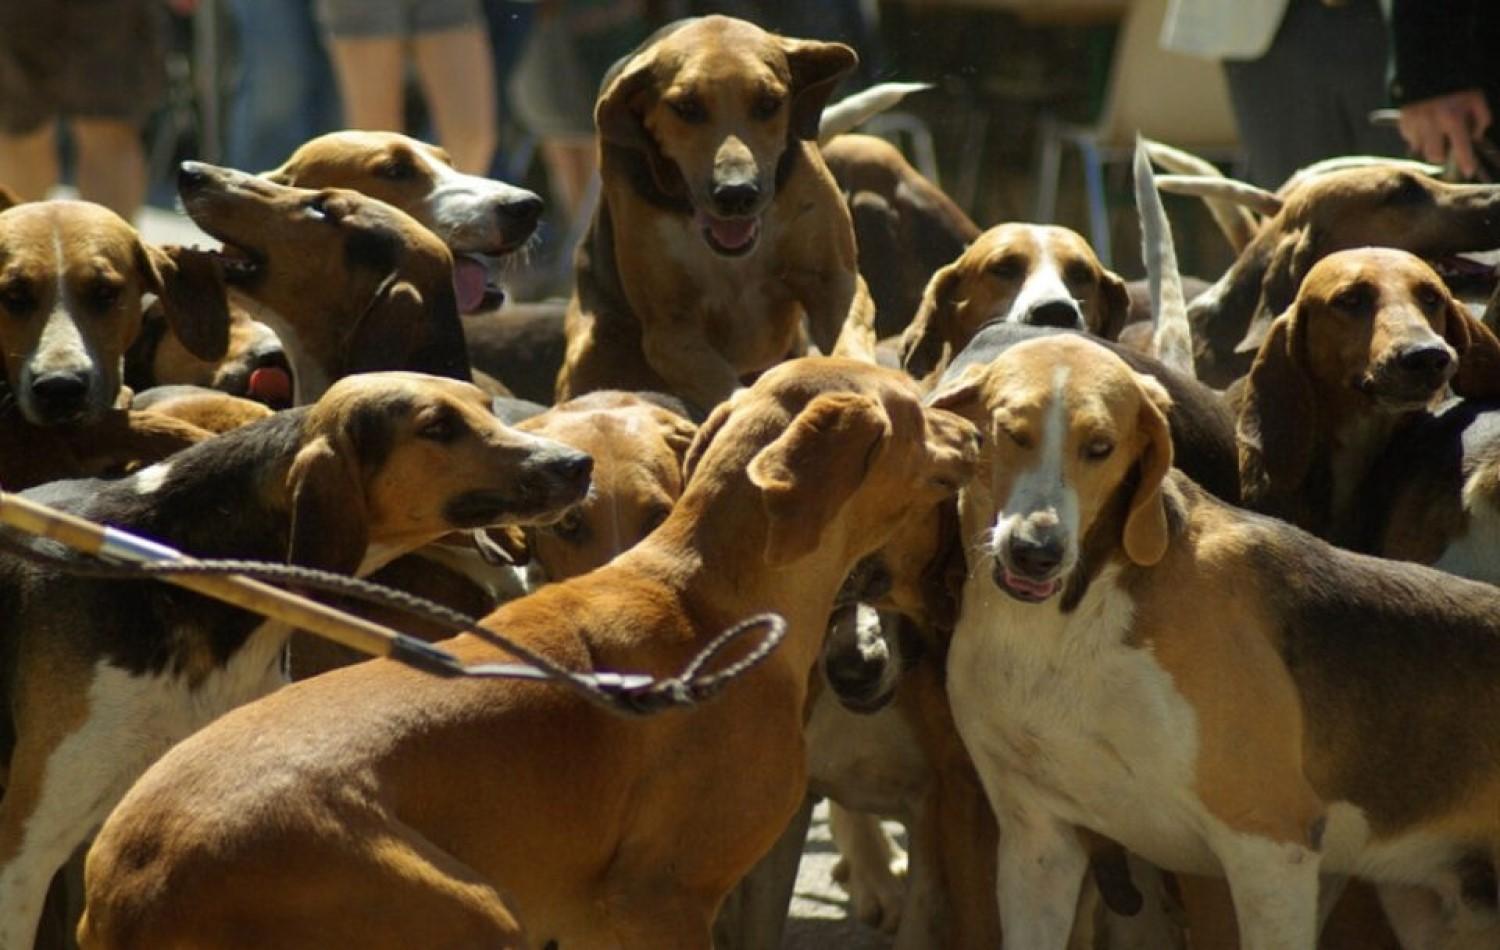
(1237,222)
(1171,338)
(849,113)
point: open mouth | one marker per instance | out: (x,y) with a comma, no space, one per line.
(1025,588)
(729,237)
(475,284)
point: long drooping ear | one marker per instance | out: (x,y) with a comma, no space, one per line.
(922,341)
(1145,537)
(816,69)
(8,198)
(962,394)
(1478,350)
(705,438)
(1114,305)
(1275,428)
(1293,258)
(813,468)
(624,98)
(190,285)
(412,328)
(329,523)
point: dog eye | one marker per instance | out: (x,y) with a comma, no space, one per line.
(397,169)
(765,107)
(1078,273)
(1350,301)
(316,206)
(569,527)
(443,428)
(1097,450)
(1428,296)
(1021,439)
(689,110)
(17,298)
(1009,268)
(104,295)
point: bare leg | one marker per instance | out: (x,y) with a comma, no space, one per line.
(111,164)
(570,162)
(458,79)
(28,163)
(370,72)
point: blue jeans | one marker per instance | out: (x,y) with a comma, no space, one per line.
(286,92)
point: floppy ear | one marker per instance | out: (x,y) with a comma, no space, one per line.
(705,438)
(1290,262)
(677,432)
(1145,536)
(960,396)
(1478,350)
(813,467)
(922,341)
(8,198)
(329,529)
(1274,428)
(190,285)
(1114,305)
(624,98)
(405,327)
(816,69)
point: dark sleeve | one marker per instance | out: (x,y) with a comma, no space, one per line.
(1436,46)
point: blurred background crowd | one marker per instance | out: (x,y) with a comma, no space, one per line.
(1031,116)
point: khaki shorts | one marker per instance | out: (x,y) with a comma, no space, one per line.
(86,58)
(368,18)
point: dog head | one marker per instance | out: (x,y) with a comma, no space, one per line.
(1040,275)
(481,220)
(254,366)
(1077,448)
(716,105)
(349,283)
(1371,330)
(637,446)
(399,459)
(71,279)
(838,454)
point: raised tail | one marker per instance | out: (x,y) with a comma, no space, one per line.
(1171,337)
(849,113)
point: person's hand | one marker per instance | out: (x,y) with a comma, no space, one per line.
(1445,126)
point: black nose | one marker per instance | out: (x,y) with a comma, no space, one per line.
(1054,313)
(191,175)
(855,676)
(521,211)
(736,197)
(59,393)
(1426,361)
(574,469)
(1035,559)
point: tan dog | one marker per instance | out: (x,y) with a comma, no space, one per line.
(254,366)
(719,228)
(1197,683)
(349,284)
(1382,205)
(489,802)
(1372,339)
(1034,274)
(481,220)
(102,677)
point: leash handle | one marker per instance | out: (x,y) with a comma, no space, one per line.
(356,633)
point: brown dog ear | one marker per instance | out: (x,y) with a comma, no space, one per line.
(816,69)
(1290,262)
(922,341)
(813,467)
(1478,350)
(1274,428)
(1145,538)
(8,198)
(1114,305)
(190,285)
(619,115)
(960,396)
(329,529)
(677,432)
(410,328)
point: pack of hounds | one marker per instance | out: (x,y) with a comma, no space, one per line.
(1161,614)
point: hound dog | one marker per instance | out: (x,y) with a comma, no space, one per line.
(1219,691)
(1379,205)
(254,365)
(387,303)
(719,227)
(483,808)
(102,677)
(1033,274)
(1372,340)
(482,221)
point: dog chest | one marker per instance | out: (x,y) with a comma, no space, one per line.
(1061,714)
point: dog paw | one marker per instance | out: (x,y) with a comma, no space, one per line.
(876,891)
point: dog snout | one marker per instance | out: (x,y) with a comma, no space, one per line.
(733,198)
(858,661)
(519,211)
(62,395)
(1035,556)
(1429,361)
(191,176)
(572,469)
(1055,313)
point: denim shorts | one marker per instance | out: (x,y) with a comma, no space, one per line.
(371,18)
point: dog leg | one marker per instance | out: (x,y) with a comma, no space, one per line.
(1275,890)
(754,913)
(691,367)
(1040,867)
(871,869)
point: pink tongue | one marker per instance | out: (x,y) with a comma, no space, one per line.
(730,234)
(271,384)
(469,279)
(1043,589)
